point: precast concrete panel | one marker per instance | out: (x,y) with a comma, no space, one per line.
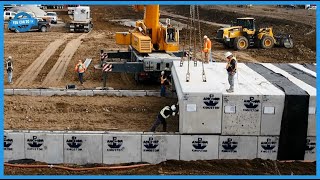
(311,148)
(82,148)
(199,147)
(298,78)
(13,146)
(44,147)
(123,148)
(238,147)
(272,104)
(200,102)
(241,113)
(268,147)
(158,148)
(294,123)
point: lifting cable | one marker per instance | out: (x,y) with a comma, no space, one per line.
(189,57)
(75,169)
(183,47)
(194,36)
(204,79)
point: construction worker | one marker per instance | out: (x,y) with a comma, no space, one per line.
(80,69)
(231,69)
(9,68)
(164,114)
(164,81)
(207,48)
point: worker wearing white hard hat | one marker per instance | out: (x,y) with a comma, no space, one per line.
(164,114)
(231,69)
(207,49)
(9,68)
(164,82)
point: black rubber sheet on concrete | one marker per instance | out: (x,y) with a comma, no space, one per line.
(294,123)
(312,67)
(301,75)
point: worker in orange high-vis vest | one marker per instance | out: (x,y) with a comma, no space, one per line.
(80,68)
(207,48)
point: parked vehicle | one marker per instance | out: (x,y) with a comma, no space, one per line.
(8,15)
(54,17)
(40,25)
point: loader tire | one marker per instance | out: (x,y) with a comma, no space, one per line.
(241,43)
(267,42)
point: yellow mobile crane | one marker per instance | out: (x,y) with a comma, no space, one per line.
(152,46)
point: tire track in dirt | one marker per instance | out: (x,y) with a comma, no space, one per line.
(31,73)
(59,69)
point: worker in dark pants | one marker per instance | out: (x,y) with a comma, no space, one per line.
(164,82)
(165,113)
(80,69)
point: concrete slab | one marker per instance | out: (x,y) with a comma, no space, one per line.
(53,92)
(268,147)
(80,92)
(311,148)
(119,148)
(238,147)
(152,93)
(8,92)
(44,147)
(13,146)
(133,93)
(82,148)
(199,147)
(106,92)
(158,148)
(27,92)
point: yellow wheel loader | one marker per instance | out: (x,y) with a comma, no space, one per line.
(244,34)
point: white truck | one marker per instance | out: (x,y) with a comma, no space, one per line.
(8,15)
(82,22)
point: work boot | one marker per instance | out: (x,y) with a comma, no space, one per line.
(230,90)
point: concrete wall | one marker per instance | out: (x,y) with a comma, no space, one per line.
(158,148)
(238,147)
(268,147)
(44,147)
(13,146)
(123,148)
(199,147)
(82,148)
(311,148)
(241,115)
(75,92)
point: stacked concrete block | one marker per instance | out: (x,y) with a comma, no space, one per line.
(238,147)
(82,148)
(13,146)
(121,148)
(200,103)
(268,147)
(44,147)
(199,147)
(158,148)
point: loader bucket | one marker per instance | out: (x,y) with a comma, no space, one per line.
(284,41)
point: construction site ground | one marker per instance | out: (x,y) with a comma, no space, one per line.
(45,60)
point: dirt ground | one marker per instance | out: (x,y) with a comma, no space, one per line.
(173,167)
(86,113)
(36,54)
